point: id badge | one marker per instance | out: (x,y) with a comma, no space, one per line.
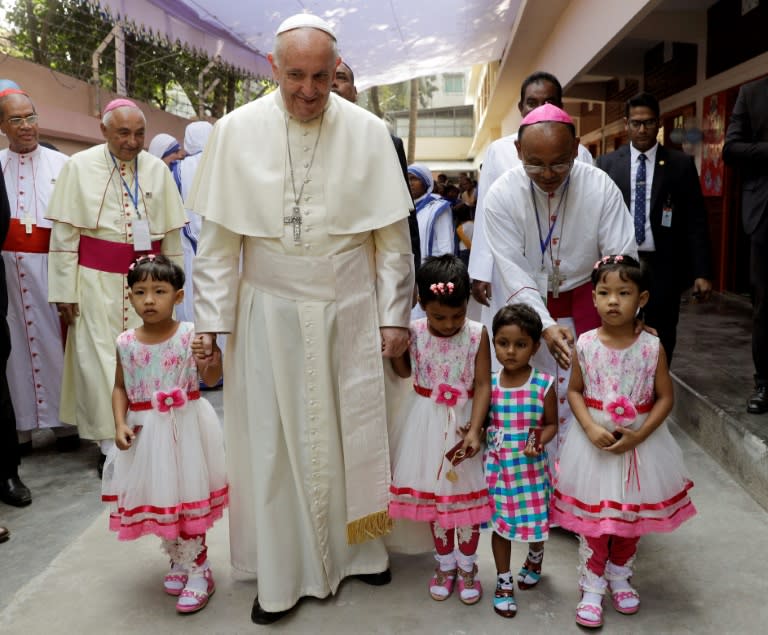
(542,279)
(666,217)
(141,238)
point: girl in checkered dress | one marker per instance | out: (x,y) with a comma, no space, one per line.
(523,421)
(449,362)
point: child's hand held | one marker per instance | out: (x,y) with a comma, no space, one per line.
(124,437)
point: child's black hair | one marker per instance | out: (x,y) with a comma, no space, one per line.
(158,268)
(520,314)
(446,270)
(626,266)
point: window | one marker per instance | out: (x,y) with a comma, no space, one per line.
(453,83)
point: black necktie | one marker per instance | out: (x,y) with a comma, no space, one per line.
(640,201)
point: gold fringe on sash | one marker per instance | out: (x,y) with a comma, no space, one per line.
(368,528)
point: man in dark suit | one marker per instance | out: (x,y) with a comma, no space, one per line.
(344,86)
(662,191)
(12,490)
(746,147)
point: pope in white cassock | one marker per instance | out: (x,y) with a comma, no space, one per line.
(37,349)
(547,222)
(111,203)
(308,187)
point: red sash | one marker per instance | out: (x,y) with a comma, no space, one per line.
(109,256)
(147,405)
(577,304)
(18,239)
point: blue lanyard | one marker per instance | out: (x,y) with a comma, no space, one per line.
(135,194)
(542,241)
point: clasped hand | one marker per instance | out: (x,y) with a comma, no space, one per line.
(605,440)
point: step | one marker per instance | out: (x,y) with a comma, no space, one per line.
(712,372)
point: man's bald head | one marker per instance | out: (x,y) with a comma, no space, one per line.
(18,122)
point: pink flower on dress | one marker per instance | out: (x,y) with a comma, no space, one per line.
(447,394)
(621,410)
(164,401)
(170,360)
(143,357)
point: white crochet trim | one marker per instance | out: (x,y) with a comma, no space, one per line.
(440,532)
(585,553)
(188,550)
(465,534)
(590,582)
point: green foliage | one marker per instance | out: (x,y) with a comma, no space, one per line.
(396,97)
(63,34)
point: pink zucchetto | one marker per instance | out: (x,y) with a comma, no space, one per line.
(305,20)
(546,112)
(120,102)
(12,91)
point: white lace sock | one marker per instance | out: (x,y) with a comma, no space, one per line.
(447,562)
(618,579)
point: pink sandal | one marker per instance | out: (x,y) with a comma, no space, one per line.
(618,597)
(468,582)
(198,598)
(593,617)
(175,581)
(442,580)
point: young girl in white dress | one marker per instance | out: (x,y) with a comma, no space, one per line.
(621,472)
(449,360)
(166,475)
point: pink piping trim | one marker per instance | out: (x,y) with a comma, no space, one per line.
(448,518)
(430,496)
(166,511)
(629,507)
(619,527)
(169,531)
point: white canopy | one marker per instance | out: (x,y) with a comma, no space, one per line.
(383,41)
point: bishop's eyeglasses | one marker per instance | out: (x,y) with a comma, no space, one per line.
(557,168)
(30,120)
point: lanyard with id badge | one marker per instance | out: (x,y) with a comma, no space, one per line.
(141,237)
(541,278)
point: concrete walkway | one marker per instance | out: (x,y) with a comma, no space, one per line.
(63,572)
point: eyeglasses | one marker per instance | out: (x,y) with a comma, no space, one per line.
(557,168)
(17,121)
(636,124)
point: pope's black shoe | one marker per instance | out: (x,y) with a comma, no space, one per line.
(375,579)
(4,534)
(758,401)
(14,492)
(260,616)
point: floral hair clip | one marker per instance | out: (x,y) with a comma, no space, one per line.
(141,260)
(442,288)
(608,260)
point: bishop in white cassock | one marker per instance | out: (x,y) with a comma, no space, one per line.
(546,223)
(37,349)
(111,203)
(308,187)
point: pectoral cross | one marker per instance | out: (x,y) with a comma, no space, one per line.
(27,221)
(295,220)
(556,279)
